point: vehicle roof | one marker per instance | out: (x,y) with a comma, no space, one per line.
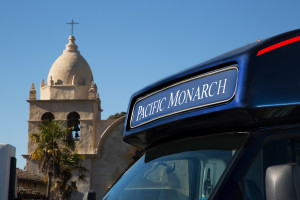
(268,92)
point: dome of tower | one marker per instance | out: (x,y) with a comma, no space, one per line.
(70,68)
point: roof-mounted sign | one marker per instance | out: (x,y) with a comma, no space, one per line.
(200,91)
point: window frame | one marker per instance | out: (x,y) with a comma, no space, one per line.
(261,137)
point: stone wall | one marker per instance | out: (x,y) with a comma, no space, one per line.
(113,158)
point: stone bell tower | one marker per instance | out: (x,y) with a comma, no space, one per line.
(70,95)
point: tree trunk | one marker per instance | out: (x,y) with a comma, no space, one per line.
(60,196)
(49,186)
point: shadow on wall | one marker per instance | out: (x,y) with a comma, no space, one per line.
(77,195)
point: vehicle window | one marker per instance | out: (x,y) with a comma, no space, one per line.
(275,152)
(161,180)
(188,169)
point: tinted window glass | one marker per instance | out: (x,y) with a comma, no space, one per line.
(187,169)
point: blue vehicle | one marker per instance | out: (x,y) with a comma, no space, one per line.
(228,128)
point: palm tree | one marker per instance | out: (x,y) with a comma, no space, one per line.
(54,151)
(70,163)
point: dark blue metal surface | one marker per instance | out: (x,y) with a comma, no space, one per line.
(267,93)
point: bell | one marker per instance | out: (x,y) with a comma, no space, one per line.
(76,136)
(76,129)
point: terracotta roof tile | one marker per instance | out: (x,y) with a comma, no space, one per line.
(24,175)
(27,191)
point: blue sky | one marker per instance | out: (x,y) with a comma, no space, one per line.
(128,43)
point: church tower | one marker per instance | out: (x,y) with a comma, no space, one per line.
(70,95)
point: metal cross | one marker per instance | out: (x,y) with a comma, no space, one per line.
(72,25)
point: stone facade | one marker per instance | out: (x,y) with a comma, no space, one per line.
(70,91)
(113,157)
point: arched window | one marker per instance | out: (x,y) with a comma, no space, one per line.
(74,123)
(47,116)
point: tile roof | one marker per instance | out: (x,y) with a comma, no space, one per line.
(26,192)
(27,176)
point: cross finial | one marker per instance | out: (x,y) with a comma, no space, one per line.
(72,25)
